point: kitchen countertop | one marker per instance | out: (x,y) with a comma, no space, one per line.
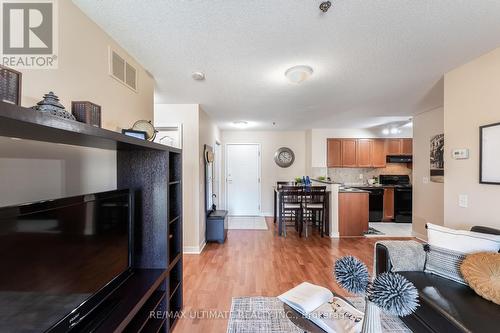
(352,190)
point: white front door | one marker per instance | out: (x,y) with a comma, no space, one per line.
(243,179)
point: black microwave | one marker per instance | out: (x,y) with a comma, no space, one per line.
(399,159)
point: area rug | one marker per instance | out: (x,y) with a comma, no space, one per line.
(247,223)
(266,314)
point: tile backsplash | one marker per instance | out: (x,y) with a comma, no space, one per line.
(352,175)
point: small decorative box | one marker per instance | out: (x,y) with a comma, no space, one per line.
(87,112)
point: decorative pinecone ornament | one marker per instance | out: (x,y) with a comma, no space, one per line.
(351,274)
(50,104)
(393,293)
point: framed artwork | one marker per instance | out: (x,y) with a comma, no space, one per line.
(489,150)
(10,85)
(437,159)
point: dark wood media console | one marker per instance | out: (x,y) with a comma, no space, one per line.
(153,172)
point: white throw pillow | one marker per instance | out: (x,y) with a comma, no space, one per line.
(461,240)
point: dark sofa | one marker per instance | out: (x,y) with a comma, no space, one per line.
(445,306)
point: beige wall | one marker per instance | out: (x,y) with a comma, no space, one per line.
(35,170)
(209,134)
(270,141)
(428,197)
(471,99)
(83,73)
(188,116)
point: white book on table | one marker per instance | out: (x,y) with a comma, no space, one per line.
(330,313)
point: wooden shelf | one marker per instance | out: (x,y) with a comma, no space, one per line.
(25,123)
(153,326)
(135,292)
(174,219)
(141,318)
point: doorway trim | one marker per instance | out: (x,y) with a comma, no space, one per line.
(226,205)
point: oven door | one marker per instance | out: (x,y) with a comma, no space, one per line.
(403,205)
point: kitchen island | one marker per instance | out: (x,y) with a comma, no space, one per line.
(349,210)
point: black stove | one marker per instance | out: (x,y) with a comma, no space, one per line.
(402,196)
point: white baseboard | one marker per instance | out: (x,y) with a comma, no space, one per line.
(266,214)
(334,235)
(194,249)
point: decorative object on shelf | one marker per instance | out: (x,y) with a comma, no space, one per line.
(10,85)
(135,134)
(324,6)
(482,273)
(209,156)
(391,292)
(145,126)
(214,206)
(437,158)
(50,104)
(284,157)
(298,180)
(87,112)
(489,159)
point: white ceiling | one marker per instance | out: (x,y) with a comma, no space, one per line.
(375,61)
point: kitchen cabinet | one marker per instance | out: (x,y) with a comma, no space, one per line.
(349,153)
(394,146)
(379,153)
(388,204)
(353,214)
(334,153)
(365,153)
(407,146)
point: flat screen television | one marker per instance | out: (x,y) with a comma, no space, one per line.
(61,259)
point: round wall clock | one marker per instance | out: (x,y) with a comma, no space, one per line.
(284,157)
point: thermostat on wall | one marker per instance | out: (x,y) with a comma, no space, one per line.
(460,154)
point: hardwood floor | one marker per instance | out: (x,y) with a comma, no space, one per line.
(258,263)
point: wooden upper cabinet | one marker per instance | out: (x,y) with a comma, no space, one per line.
(394,146)
(334,153)
(379,153)
(407,146)
(365,153)
(349,153)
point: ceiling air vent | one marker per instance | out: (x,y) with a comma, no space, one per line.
(121,70)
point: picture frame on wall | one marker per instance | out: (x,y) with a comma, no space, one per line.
(489,154)
(437,158)
(10,85)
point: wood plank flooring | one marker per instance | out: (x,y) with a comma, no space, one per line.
(258,263)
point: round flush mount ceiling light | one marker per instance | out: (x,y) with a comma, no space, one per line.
(240,124)
(297,74)
(198,76)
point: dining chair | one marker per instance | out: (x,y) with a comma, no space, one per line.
(281,184)
(314,208)
(290,206)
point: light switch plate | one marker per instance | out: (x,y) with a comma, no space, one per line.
(460,154)
(463,200)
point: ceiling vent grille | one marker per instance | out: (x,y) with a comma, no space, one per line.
(122,71)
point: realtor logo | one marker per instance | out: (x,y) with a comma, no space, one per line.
(29,34)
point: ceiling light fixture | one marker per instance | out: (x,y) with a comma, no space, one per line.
(240,123)
(297,74)
(198,76)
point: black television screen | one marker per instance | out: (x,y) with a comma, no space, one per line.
(60,257)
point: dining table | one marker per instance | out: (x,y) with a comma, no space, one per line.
(277,212)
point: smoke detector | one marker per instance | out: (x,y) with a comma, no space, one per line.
(198,76)
(324,6)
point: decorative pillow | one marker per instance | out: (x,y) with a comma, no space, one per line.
(447,248)
(445,263)
(482,272)
(461,240)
